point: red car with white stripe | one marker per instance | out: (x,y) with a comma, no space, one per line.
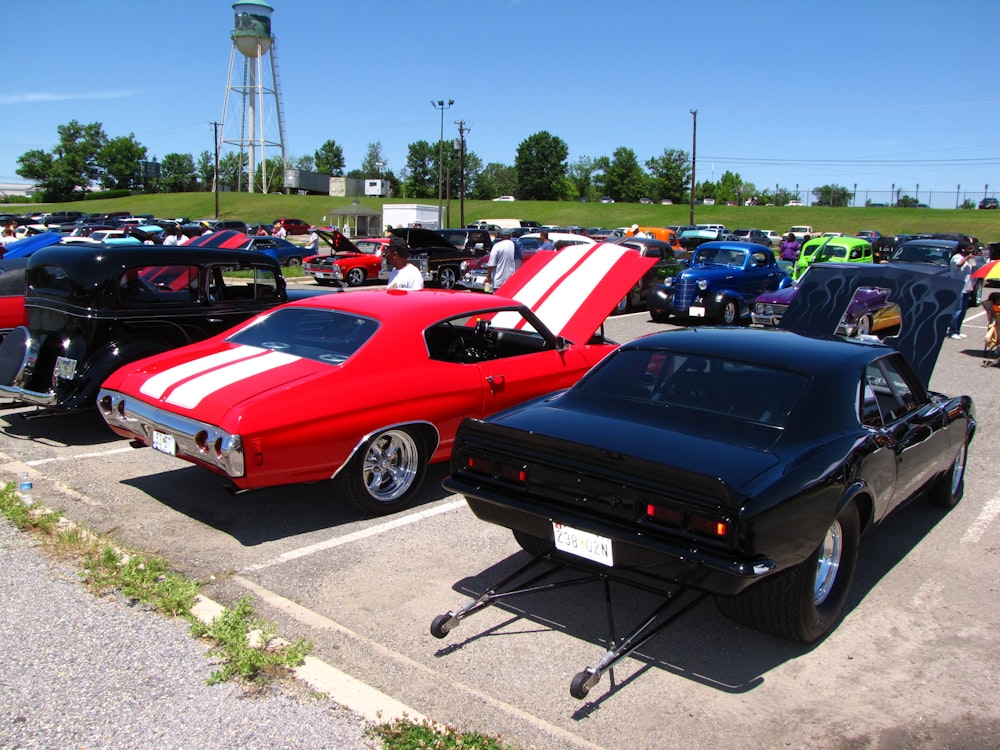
(369,387)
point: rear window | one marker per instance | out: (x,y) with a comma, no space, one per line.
(328,336)
(739,390)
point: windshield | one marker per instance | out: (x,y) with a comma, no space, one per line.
(327,336)
(720,256)
(831,251)
(747,392)
(367,246)
(924,254)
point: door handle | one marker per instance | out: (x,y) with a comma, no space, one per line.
(495,382)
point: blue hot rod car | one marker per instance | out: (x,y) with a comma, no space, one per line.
(720,284)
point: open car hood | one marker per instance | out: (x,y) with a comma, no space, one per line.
(420,238)
(573,290)
(24,248)
(336,241)
(925,294)
(228,239)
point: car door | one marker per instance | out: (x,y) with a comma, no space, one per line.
(911,426)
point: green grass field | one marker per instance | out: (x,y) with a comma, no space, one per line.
(313,208)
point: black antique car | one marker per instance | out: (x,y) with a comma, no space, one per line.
(439,261)
(745,463)
(91,309)
(667,266)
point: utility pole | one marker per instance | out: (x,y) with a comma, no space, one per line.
(215,177)
(462,130)
(694,152)
(440,105)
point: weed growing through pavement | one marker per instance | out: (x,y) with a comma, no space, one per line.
(406,734)
(248,647)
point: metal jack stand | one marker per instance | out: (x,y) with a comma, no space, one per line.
(673,606)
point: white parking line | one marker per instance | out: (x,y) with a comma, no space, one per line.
(371,531)
(77,456)
(986,516)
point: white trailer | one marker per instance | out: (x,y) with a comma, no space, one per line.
(409,214)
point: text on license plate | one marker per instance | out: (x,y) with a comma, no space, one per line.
(696,312)
(583,544)
(164,443)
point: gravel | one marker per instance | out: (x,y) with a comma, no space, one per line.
(82,671)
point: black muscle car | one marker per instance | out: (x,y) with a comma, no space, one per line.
(745,463)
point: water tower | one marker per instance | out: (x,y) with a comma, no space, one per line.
(252,120)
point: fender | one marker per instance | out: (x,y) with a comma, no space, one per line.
(98,367)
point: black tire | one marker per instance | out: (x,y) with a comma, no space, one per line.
(623,306)
(442,625)
(948,489)
(864,326)
(659,317)
(447,277)
(578,688)
(730,312)
(293,262)
(803,603)
(356,277)
(533,545)
(387,471)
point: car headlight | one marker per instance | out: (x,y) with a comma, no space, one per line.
(702,284)
(668,282)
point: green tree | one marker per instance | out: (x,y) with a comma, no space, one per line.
(233,170)
(581,176)
(670,175)
(731,189)
(493,180)
(305,163)
(622,178)
(275,182)
(374,162)
(832,195)
(177,173)
(540,165)
(206,169)
(71,166)
(420,179)
(119,161)
(330,159)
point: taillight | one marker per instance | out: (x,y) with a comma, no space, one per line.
(498,469)
(710,527)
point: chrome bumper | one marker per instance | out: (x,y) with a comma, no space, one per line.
(198,441)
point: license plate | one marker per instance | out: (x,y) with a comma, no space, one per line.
(65,368)
(164,443)
(583,544)
(696,312)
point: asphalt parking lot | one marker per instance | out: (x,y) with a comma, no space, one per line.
(913,664)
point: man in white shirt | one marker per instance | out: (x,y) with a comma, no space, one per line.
(501,264)
(404,274)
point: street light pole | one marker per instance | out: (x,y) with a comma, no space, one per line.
(694,152)
(440,105)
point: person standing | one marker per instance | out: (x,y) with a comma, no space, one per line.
(789,248)
(502,262)
(546,243)
(960,267)
(279,230)
(404,274)
(312,245)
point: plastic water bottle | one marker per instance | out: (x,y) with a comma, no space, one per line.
(25,488)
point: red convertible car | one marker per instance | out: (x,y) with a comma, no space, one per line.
(408,366)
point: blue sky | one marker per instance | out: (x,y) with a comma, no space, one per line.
(875,93)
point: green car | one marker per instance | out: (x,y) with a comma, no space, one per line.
(833,249)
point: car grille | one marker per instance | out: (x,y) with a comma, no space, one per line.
(685,291)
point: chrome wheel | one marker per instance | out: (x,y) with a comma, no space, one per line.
(447,278)
(391,464)
(355,277)
(864,326)
(828,563)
